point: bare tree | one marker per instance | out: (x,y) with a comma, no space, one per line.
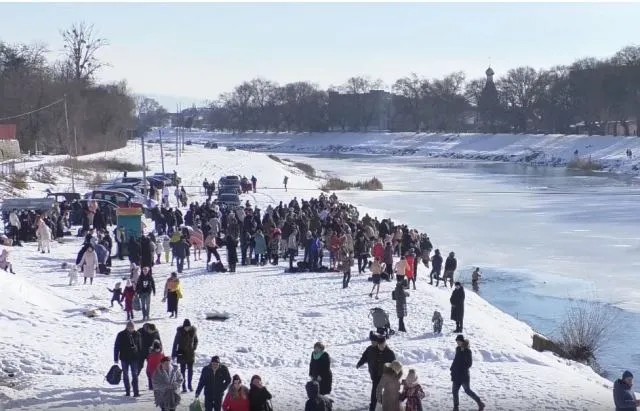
(412,93)
(80,47)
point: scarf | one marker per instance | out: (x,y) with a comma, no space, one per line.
(317,355)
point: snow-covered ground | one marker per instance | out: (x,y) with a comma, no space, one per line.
(59,357)
(552,149)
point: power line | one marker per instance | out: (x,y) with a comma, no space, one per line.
(33,111)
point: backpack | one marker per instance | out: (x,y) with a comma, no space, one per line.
(380,317)
(114,375)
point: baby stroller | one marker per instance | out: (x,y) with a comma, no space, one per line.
(381,321)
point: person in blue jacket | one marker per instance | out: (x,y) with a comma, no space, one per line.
(623,394)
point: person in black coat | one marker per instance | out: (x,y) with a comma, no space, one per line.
(148,334)
(316,401)
(127,349)
(184,349)
(460,373)
(376,356)
(214,380)
(320,368)
(232,253)
(450,266)
(146,258)
(436,267)
(457,307)
(134,251)
(259,396)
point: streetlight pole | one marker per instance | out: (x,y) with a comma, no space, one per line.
(73,166)
(161,150)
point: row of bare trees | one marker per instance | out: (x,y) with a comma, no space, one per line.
(590,92)
(99,115)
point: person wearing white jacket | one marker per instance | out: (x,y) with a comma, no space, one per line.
(89,264)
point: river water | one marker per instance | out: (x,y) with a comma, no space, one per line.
(545,238)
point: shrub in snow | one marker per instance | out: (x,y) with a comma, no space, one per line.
(584,164)
(584,331)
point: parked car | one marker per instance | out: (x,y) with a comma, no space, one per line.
(189,142)
(170,178)
(231,200)
(230,148)
(122,199)
(229,184)
(210,145)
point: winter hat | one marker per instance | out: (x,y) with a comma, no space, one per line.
(381,339)
(130,324)
(395,366)
(412,378)
(186,323)
(157,345)
(215,359)
(460,337)
(627,374)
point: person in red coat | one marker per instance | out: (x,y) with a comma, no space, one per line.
(127,296)
(409,272)
(378,250)
(153,361)
(237,398)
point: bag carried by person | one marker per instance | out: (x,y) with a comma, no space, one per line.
(195,405)
(137,305)
(114,375)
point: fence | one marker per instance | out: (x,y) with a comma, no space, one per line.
(7,167)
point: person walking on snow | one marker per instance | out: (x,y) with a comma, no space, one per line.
(214,380)
(388,389)
(127,349)
(237,398)
(401,304)
(89,264)
(450,266)
(259,396)
(254,182)
(377,268)
(184,349)
(166,383)
(457,307)
(153,361)
(285,181)
(144,287)
(320,368)
(460,373)
(436,267)
(128,294)
(376,356)
(172,294)
(412,392)
(624,396)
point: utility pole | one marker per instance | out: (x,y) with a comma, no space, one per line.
(161,150)
(73,166)
(177,130)
(144,166)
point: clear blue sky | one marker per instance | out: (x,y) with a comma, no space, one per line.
(200,50)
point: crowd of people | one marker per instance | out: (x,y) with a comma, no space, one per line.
(317,235)
(321,234)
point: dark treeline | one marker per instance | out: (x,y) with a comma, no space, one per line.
(590,92)
(100,114)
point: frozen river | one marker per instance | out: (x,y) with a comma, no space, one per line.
(541,236)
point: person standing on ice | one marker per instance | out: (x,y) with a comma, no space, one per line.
(623,393)
(127,350)
(475,277)
(259,396)
(457,307)
(376,356)
(254,182)
(214,380)
(285,181)
(460,373)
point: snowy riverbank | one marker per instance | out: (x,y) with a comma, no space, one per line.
(547,150)
(59,357)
